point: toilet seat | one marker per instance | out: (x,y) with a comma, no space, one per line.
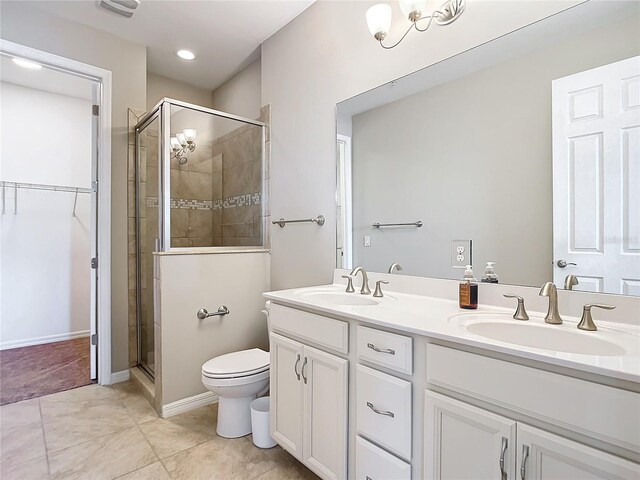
(244,363)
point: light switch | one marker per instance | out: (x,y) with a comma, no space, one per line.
(461,253)
(367,241)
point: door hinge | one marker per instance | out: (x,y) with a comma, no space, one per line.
(94,263)
(96,110)
(94,339)
(94,186)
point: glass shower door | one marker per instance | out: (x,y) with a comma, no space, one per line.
(147,217)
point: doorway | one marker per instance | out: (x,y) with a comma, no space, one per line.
(51,171)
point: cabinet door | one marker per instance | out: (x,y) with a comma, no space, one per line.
(325,405)
(286,394)
(467,443)
(544,456)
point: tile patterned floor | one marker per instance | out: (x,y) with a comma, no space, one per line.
(38,370)
(97,432)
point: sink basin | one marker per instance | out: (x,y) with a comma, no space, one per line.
(344,299)
(537,334)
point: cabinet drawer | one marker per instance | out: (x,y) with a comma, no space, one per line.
(602,412)
(373,463)
(383,410)
(385,349)
(315,329)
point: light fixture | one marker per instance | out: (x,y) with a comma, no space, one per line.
(379,17)
(26,63)
(182,143)
(186,54)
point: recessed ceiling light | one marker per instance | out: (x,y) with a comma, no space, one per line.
(27,64)
(186,54)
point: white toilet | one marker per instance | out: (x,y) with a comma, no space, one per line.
(237,378)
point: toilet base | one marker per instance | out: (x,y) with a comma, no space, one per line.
(234,416)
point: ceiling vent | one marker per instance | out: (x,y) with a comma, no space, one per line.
(126,8)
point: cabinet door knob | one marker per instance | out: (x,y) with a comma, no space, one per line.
(295,367)
(380,412)
(505,444)
(304,364)
(525,456)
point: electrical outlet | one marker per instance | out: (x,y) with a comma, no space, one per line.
(367,241)
(460,253)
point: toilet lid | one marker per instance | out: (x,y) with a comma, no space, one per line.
(243,362)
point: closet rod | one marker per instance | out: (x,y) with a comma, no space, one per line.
(43,186)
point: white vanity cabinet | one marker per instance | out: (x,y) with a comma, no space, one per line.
(309,394)
(463,441)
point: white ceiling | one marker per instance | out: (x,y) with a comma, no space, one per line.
(224,34)
(46,79)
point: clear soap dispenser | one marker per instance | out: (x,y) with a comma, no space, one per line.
(490,274)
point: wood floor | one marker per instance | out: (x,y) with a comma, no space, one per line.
(30,372)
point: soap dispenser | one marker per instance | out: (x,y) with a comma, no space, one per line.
(490,274)
(468,290)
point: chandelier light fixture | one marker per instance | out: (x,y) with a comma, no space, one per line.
(379,17)
(182,143)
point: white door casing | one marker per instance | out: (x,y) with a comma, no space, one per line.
(596,177)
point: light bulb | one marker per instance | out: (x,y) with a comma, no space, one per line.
(181,139)
(379,20)
(413,9)
(175,144)
(190,134)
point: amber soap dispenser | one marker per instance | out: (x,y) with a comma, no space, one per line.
(468,290)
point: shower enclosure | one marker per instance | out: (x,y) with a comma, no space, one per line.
(199,187)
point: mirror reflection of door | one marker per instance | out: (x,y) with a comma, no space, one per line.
(344,250)
(596,178)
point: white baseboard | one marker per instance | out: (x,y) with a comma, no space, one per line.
(189,403)
(122,376)
(28,342)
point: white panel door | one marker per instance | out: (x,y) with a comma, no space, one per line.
(325,379)
(596,178)
(463,442)
(544,456)
(95,158)
(286,394)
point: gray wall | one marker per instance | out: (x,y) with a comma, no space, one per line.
(240,94)
(23,24)
(472,159)
(324,56)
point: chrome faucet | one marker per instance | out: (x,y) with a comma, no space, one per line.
(395,267)
(553,314)
(570,281)
(365,290)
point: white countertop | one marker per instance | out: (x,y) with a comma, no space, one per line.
(443,319)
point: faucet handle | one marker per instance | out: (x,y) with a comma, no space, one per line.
(378,292)
(521,313)
(349,288)
(586,322)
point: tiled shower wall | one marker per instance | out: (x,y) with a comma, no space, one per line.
(216,200)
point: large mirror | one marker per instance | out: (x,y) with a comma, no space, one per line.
(524,151)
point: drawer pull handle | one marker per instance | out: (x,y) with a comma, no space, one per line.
(304,364)
(295,367)
(523,468)
(380,412)
(503,473)
(381,350)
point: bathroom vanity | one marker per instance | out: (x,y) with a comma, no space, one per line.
(410,386)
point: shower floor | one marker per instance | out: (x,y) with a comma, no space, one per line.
(38,370)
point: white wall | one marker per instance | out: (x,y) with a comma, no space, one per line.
(23,24)
(327,55)
(44,250)
(159,87)
(240,94)
(184,343)
(487,179)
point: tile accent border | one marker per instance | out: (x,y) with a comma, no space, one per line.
(229,202)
